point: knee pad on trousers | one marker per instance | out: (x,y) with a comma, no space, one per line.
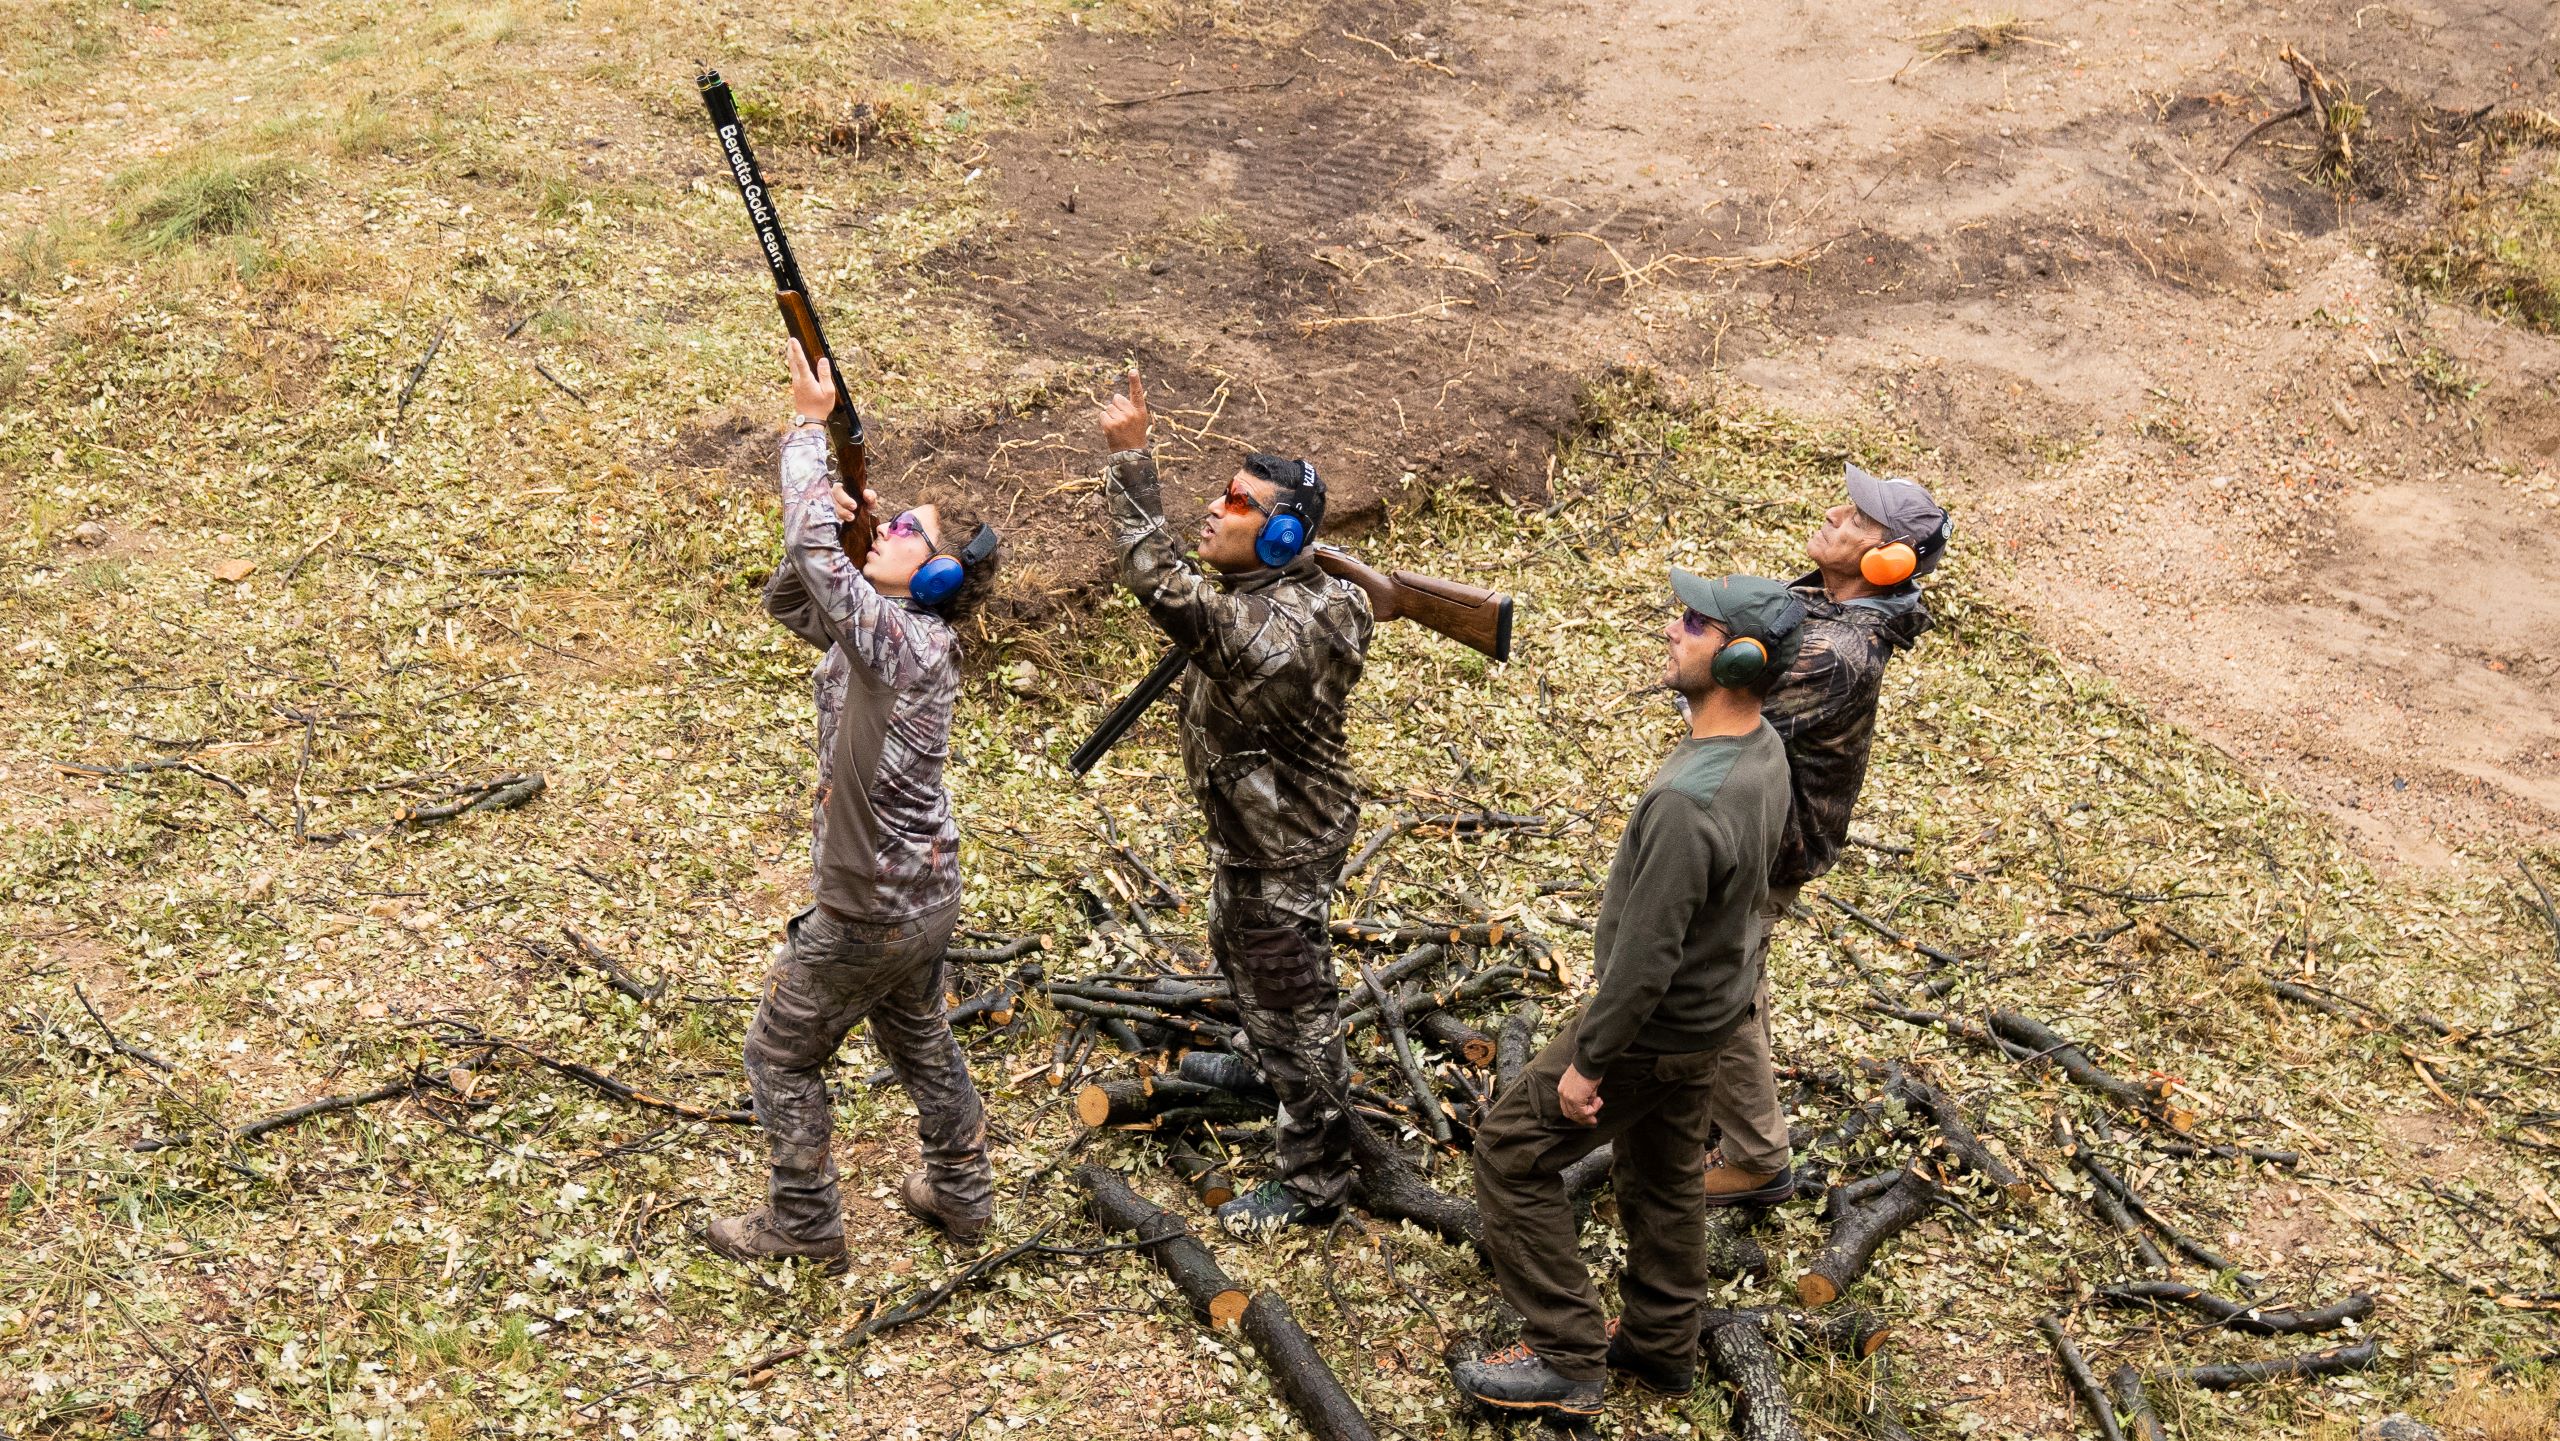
(1279,968)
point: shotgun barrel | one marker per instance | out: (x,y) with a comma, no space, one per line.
(791,294)
(1126,713)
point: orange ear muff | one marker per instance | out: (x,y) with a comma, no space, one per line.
(1889,564)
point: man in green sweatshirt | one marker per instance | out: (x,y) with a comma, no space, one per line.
(1675,962)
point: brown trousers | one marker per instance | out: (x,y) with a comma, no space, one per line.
(1654,1110)
(1750,1120)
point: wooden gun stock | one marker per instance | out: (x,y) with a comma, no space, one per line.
(844,426)
(799,317)
(1467,614)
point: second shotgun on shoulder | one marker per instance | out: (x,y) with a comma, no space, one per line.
(1274,647)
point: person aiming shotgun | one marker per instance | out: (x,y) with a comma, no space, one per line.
(1274,647)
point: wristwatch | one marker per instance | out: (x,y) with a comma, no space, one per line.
(800,421)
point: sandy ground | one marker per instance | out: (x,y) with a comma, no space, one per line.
(2180,410)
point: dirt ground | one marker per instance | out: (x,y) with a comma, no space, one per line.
(2183,411)
(386,406)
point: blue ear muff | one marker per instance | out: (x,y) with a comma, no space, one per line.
(1282,537)
(936,581)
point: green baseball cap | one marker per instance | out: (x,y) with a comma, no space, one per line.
(1747,605)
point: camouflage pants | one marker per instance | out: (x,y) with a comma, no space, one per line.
(1267,931)
(831,975)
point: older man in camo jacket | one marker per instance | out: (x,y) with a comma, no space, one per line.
(1275,650)
(1862,607)
(885,857)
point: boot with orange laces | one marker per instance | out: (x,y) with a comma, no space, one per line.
(1515,1382)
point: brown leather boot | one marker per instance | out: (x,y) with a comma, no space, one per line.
(1729,1185)
(915,1192)
(754,1237)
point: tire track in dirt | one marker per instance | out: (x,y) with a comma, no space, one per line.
(1404,251)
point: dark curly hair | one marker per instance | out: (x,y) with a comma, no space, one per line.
(978,581)
(1287,474)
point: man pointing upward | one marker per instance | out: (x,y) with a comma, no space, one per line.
(1276,646)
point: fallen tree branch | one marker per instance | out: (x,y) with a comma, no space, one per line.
(2135,1406)
(2309,1363)
(505,793)
(2076,1374)
(2150,1101)
(615,974)
(330,1105)
(1313,1391)
(2234,1316)
(115,1042)
(1944,958)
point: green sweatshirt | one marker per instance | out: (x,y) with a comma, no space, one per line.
(1672,953)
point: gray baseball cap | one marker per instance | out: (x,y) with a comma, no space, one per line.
(1905,511)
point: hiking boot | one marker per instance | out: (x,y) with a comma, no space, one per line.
(1729,1185)
(1268,1207)
(1663,1378)
(1514,1382)
(754,1237)
(915,1192)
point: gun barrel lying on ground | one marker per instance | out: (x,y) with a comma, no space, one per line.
(1467,614)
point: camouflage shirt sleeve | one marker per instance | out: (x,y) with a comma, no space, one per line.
(1228,636)
(787,600)
(868,626)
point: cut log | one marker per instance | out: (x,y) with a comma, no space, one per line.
(1511,1051)
(1849,1195)
(2234,1315)
(2276,1368)
(1446,1032)
(1743,1360)
(1170,1244)
(1308,1383)
(1857,1234)
(1588,1173)
(1850,1331)
(1208,1178)
(1394,1191)
(1228,1072)
(2134,1406)
(2082,1380)
(1731,1249)
(1140,1102)
(1313,1391)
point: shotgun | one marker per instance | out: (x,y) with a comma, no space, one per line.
(791,293)
(1467,614)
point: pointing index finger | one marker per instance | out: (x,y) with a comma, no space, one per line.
(1137,390)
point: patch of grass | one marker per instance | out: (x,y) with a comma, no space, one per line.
(210,198)
(2497,251)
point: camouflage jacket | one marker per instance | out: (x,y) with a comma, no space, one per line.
(1825,710)
(885,689)
(1274,655)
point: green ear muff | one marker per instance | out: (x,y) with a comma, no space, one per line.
(1739,663)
